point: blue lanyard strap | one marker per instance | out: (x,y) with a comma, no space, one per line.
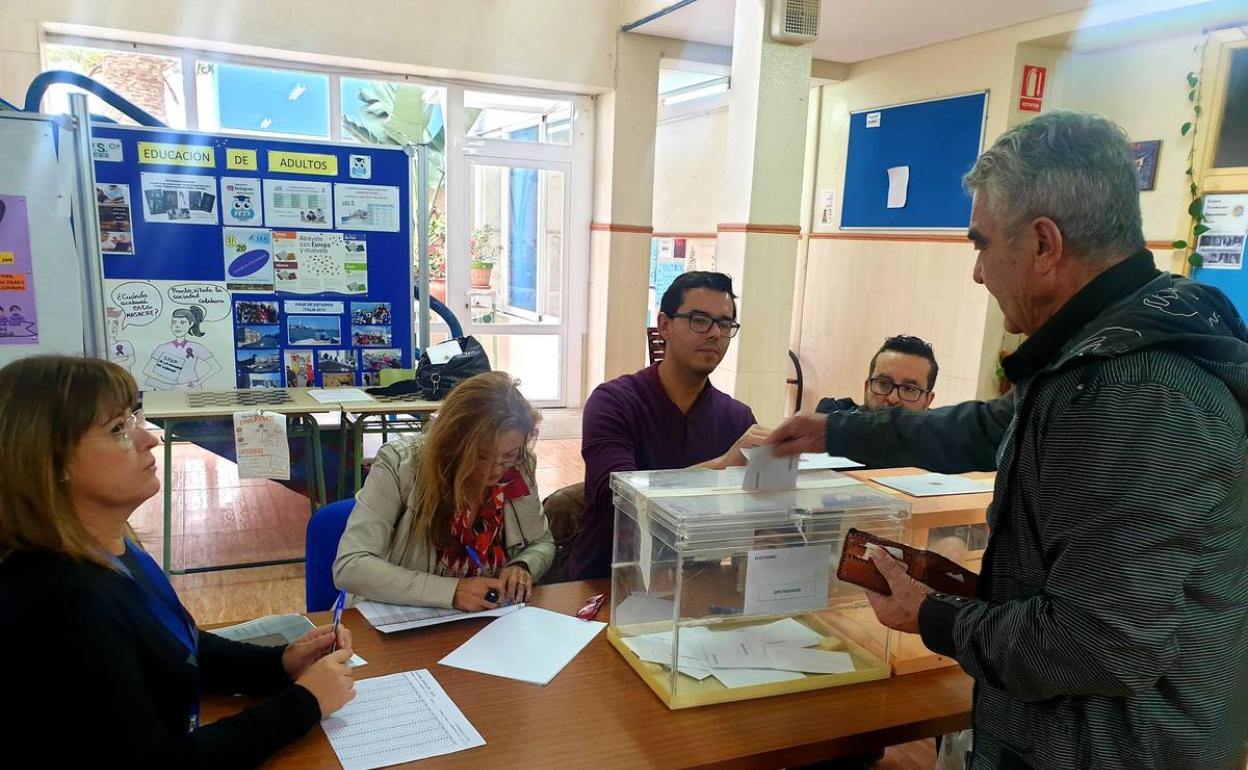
(163,603)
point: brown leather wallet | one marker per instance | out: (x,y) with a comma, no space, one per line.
(929,568)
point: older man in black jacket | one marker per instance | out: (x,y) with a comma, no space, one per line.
(1111,626)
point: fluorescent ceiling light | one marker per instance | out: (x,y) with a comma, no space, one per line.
(699,92)
(296,92)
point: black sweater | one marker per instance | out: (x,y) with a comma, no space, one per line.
(93,679)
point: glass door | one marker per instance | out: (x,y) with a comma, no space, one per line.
(511,279)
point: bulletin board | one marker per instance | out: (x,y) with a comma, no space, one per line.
(936,141)
(253,263)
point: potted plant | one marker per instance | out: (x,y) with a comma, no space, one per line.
(437,254)
(483,250)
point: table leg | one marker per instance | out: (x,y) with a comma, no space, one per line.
(342,454)
(357,450)
(167,550)
(317,460)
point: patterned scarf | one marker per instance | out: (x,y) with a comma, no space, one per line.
(484,533)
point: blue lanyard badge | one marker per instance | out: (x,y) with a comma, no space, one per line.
(163,603)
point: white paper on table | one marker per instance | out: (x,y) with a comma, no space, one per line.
(795,657)
(748,677)
(398,718)
(817,461)
(787,631)
(934,484)
(734,650)
(273,631)
(338,395)
(260,445)
(443,352)
(532,645)
(898,184)
(388,618)
(787,579)
(765,472)
(657,648)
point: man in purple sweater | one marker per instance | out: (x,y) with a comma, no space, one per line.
(665,416)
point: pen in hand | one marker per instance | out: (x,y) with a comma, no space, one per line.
(342,600)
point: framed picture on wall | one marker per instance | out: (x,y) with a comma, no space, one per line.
(1146,161)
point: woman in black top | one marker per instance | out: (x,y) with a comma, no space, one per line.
(103,665)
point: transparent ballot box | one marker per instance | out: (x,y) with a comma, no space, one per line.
(718,594)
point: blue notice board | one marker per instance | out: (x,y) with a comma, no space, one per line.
(938,140)
(251,263)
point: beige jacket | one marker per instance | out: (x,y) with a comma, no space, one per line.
(377,557)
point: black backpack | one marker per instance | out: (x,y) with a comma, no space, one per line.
(434,381)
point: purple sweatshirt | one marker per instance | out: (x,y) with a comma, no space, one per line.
(631,425)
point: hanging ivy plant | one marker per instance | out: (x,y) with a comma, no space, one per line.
(1196,206)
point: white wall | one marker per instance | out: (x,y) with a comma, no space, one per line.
(689,154)
(1143,88)
(565,44)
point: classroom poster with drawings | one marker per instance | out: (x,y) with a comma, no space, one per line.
(312,263)
(171,335)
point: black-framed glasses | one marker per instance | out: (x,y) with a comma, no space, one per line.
(882,386)
(701,323)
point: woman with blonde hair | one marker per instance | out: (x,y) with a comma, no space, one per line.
(105,665)
(452,517)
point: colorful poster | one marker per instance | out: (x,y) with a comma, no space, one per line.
(388,358)
(310,263)
(371,336)
(248,253)
(258,366)
(261,336)
(240,202)
(366,207)
(313,330)
(184,199)
(336,361)
(116,223)
(300,369)
(260,445)
(18,322)
(1222,251)
(337,379)
(370,313)
(176,335)
(255,312)
(297,204)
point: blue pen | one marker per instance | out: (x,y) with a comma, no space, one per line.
(342,599)
(491,595)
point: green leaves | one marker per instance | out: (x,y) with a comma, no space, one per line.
(1192,80)
(1196,260)
(1185,128)
(1196,207)
(1200,230)
(1179,244)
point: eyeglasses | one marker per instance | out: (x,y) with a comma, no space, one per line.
(882,386)
(701,323)
(506,461)
(123,432)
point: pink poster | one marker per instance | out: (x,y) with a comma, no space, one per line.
(18,325)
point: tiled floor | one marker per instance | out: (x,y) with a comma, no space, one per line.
(218,518)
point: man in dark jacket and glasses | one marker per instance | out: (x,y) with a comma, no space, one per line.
(1111,625)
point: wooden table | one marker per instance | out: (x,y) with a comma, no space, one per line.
(926,514)
(598,713)
(173,407)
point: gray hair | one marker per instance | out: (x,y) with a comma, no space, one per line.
(1075,168)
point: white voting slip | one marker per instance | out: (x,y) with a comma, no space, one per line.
(274,630)
(338,395)
(532,645)
(388,618)
(398,718)
(765,472)
(934,484)
(817,461)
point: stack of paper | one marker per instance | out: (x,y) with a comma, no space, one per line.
(532,645)
(388,618)
(395,719)
(817,461)
(775,652)
(935,484)
(765,472)
(273,631)
(338,395)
